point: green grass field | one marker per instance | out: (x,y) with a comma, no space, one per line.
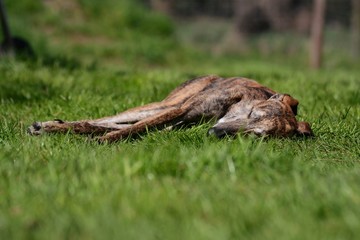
(169,184)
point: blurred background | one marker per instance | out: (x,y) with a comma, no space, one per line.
(113,33)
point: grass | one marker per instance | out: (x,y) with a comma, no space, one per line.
(170,184)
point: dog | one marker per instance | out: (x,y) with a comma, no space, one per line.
(238,105)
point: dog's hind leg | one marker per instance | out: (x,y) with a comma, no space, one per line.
(133,115)
(175,98)
(159,120)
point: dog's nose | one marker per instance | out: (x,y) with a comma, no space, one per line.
(304,129)
(218,132)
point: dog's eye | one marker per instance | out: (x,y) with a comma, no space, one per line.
(275,96)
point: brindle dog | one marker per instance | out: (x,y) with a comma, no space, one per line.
(239,104)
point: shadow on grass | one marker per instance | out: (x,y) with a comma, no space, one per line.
(59,61)
(21,91)
(19,84)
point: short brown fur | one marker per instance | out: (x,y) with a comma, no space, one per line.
(238,105)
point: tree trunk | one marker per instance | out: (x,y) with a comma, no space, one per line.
(317,33)
(355,28)
(8,46)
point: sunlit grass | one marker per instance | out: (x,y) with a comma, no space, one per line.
(175,184)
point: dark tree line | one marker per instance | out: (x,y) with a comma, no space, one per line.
(277,14)
(253,17)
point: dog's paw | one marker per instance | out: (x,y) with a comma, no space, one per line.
(35,129)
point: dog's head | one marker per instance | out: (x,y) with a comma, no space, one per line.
(272,117)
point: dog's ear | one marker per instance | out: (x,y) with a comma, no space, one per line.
(292,102)
(304,129)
